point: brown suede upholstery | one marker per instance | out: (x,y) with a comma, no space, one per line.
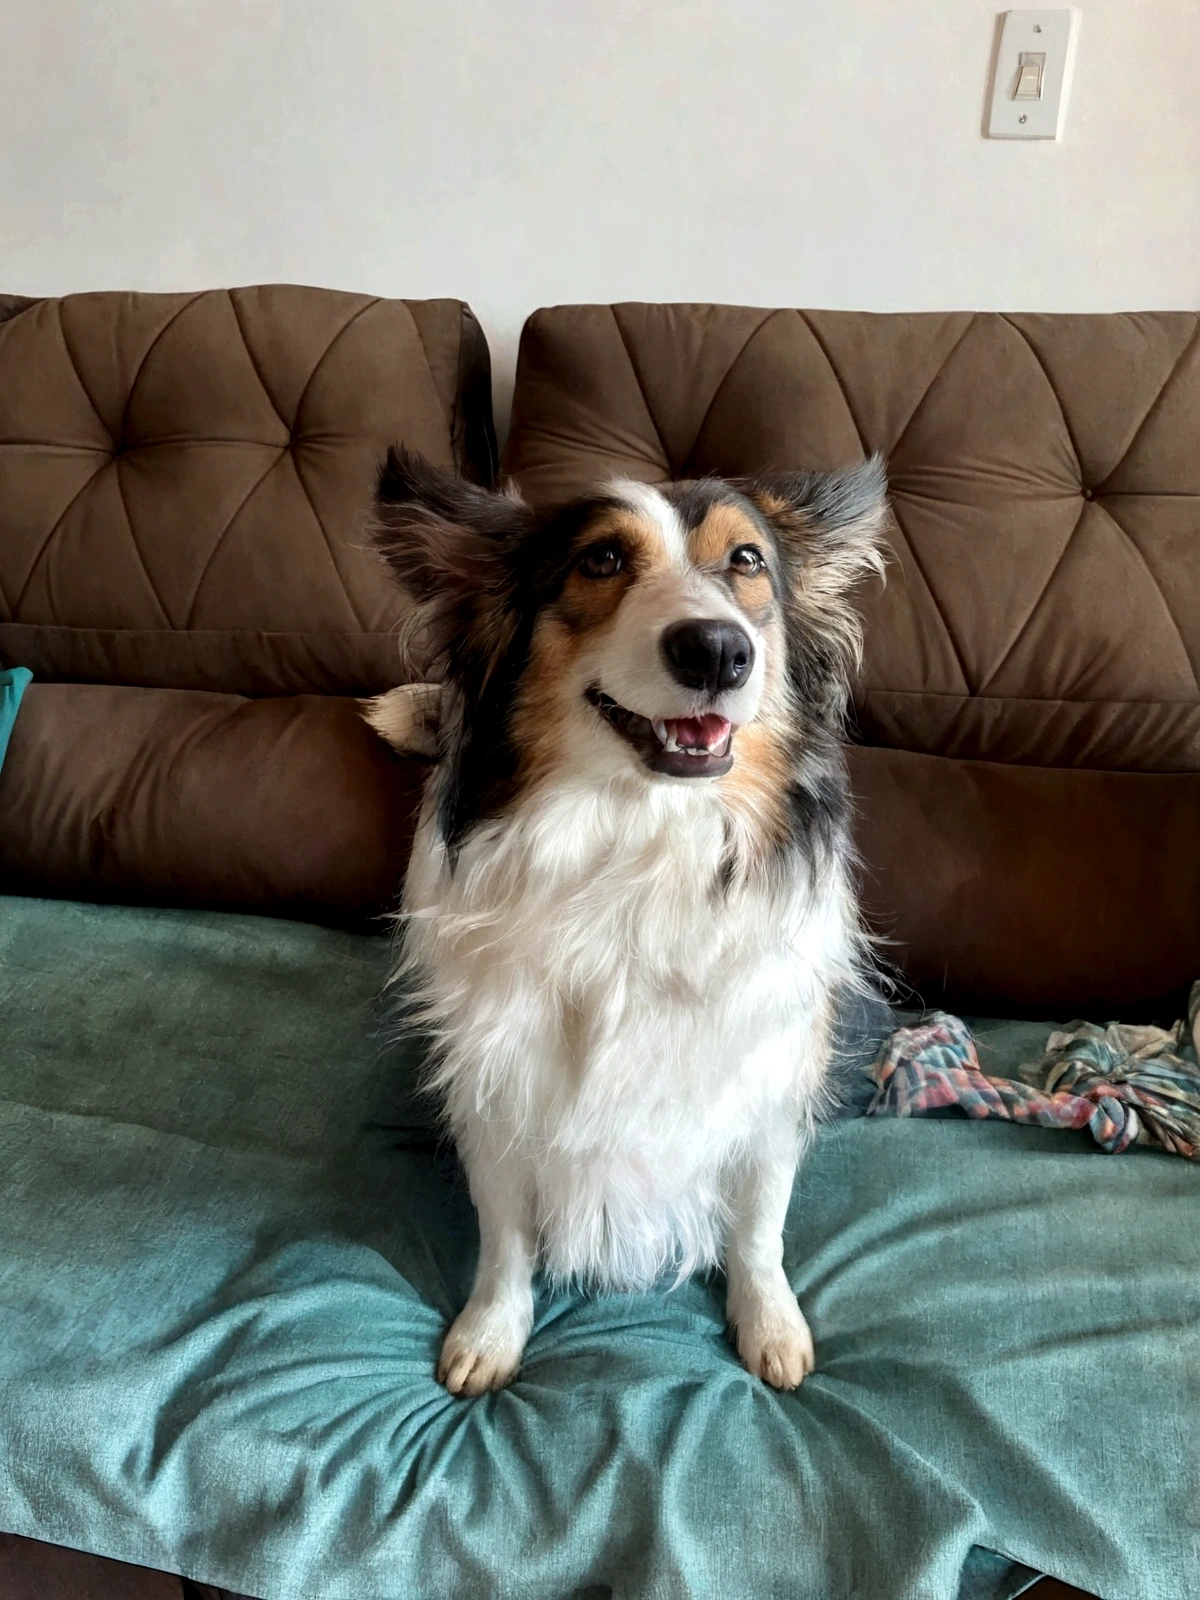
(1039,890)
(289,804)
(1031,809)
(184,482)
(30,1570)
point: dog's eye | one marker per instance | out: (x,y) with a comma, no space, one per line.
(601,561)
(747,558)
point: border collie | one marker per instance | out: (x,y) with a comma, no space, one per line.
(629,918)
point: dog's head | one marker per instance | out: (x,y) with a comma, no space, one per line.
(695,632)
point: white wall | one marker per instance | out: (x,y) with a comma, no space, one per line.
(522,152)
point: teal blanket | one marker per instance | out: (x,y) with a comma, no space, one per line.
(229,1245)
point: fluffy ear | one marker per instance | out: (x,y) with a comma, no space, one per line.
(829,528)
(830,523)
(446,541)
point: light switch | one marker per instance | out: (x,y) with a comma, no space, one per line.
(1030,65)
(1035,61)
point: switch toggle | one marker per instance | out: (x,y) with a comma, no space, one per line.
(1030,66)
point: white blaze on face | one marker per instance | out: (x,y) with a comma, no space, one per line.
(651,504)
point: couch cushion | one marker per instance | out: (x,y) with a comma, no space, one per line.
(184,478)
(1042,609)
(287,805)
(1031,887)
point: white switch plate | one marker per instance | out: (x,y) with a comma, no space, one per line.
(1055,33)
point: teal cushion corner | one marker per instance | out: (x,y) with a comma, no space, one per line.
(13,683)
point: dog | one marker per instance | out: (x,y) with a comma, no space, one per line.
(629,915)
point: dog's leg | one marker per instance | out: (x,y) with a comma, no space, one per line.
(772,1336)
(486,1340)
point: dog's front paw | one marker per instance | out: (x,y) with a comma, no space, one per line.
(773,1338)
(482,1350)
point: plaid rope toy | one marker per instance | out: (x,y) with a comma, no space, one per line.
(1124,1084)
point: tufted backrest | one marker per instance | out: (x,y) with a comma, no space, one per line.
(1036,650)
(184,484)
(184,480)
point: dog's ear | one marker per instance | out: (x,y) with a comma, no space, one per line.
(829,529)
(829,525)
(447,542)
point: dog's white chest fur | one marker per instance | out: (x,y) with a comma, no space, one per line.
(614,1022)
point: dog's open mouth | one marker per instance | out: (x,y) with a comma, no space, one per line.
(678,747)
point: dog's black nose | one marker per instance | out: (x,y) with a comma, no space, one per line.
(708,655)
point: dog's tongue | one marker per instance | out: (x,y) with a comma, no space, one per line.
(699,733)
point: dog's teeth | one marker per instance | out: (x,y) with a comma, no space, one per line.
(660,732)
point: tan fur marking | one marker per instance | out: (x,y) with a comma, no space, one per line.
(723,529)
(587,603)
(755,596)
(771,505)
(755,786)
(546,701)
